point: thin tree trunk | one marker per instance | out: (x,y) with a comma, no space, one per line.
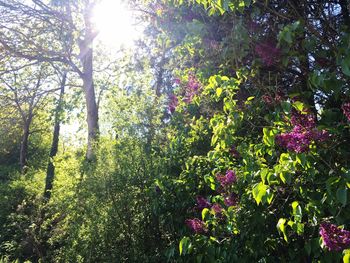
(86,55)
(23,155)
(50,173)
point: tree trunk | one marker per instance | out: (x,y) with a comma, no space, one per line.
(24,147)
(86,56)
(91,106)
(23,155)
(50,173)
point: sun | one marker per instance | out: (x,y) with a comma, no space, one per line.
(116,23)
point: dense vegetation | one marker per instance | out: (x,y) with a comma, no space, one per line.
(222,137)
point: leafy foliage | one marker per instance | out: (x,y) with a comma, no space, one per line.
(227,141)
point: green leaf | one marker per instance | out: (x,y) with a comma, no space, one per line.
(342,195)
(218,92)
(269,136)
(259,192)
(345,66)
(285,177)
(298,105)
(184,245)
(282,228)
(299,228)
(286,106)
(270,196)
(205,213)
(263,174)
(346,257)
(286,35)
(297,212)
(301,159)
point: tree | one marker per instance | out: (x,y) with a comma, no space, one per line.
(26,91)
(52,32)
(50,173)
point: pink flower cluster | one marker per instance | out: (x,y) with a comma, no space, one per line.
(303,133)
(192,88)
(217,209)
(346,110)
(268,53)
(303,119)
(273,99)
(228,179)
(334,238)
(202,203)
(197,225)
(231,199)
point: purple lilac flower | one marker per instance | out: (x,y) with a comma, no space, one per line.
(334,238)
(267,99)
(193,83)
(303,133)
(231,200)
(173,102)
(228,179)
(346,110)
(320,136)
(196,225)
(192,88)
(293,141)
(217,209)
(268,53)
(304,119)
(299,142)
(279,96)
(273,99)
(202,203)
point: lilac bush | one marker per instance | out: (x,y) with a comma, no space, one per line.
(217,209)
(228,179)
(346,110)
(192,88)
(303,133)
(231,199)
(334,238)
(173,102)
(196,225)
(202,203)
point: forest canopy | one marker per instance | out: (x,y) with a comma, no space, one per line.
(174,131)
